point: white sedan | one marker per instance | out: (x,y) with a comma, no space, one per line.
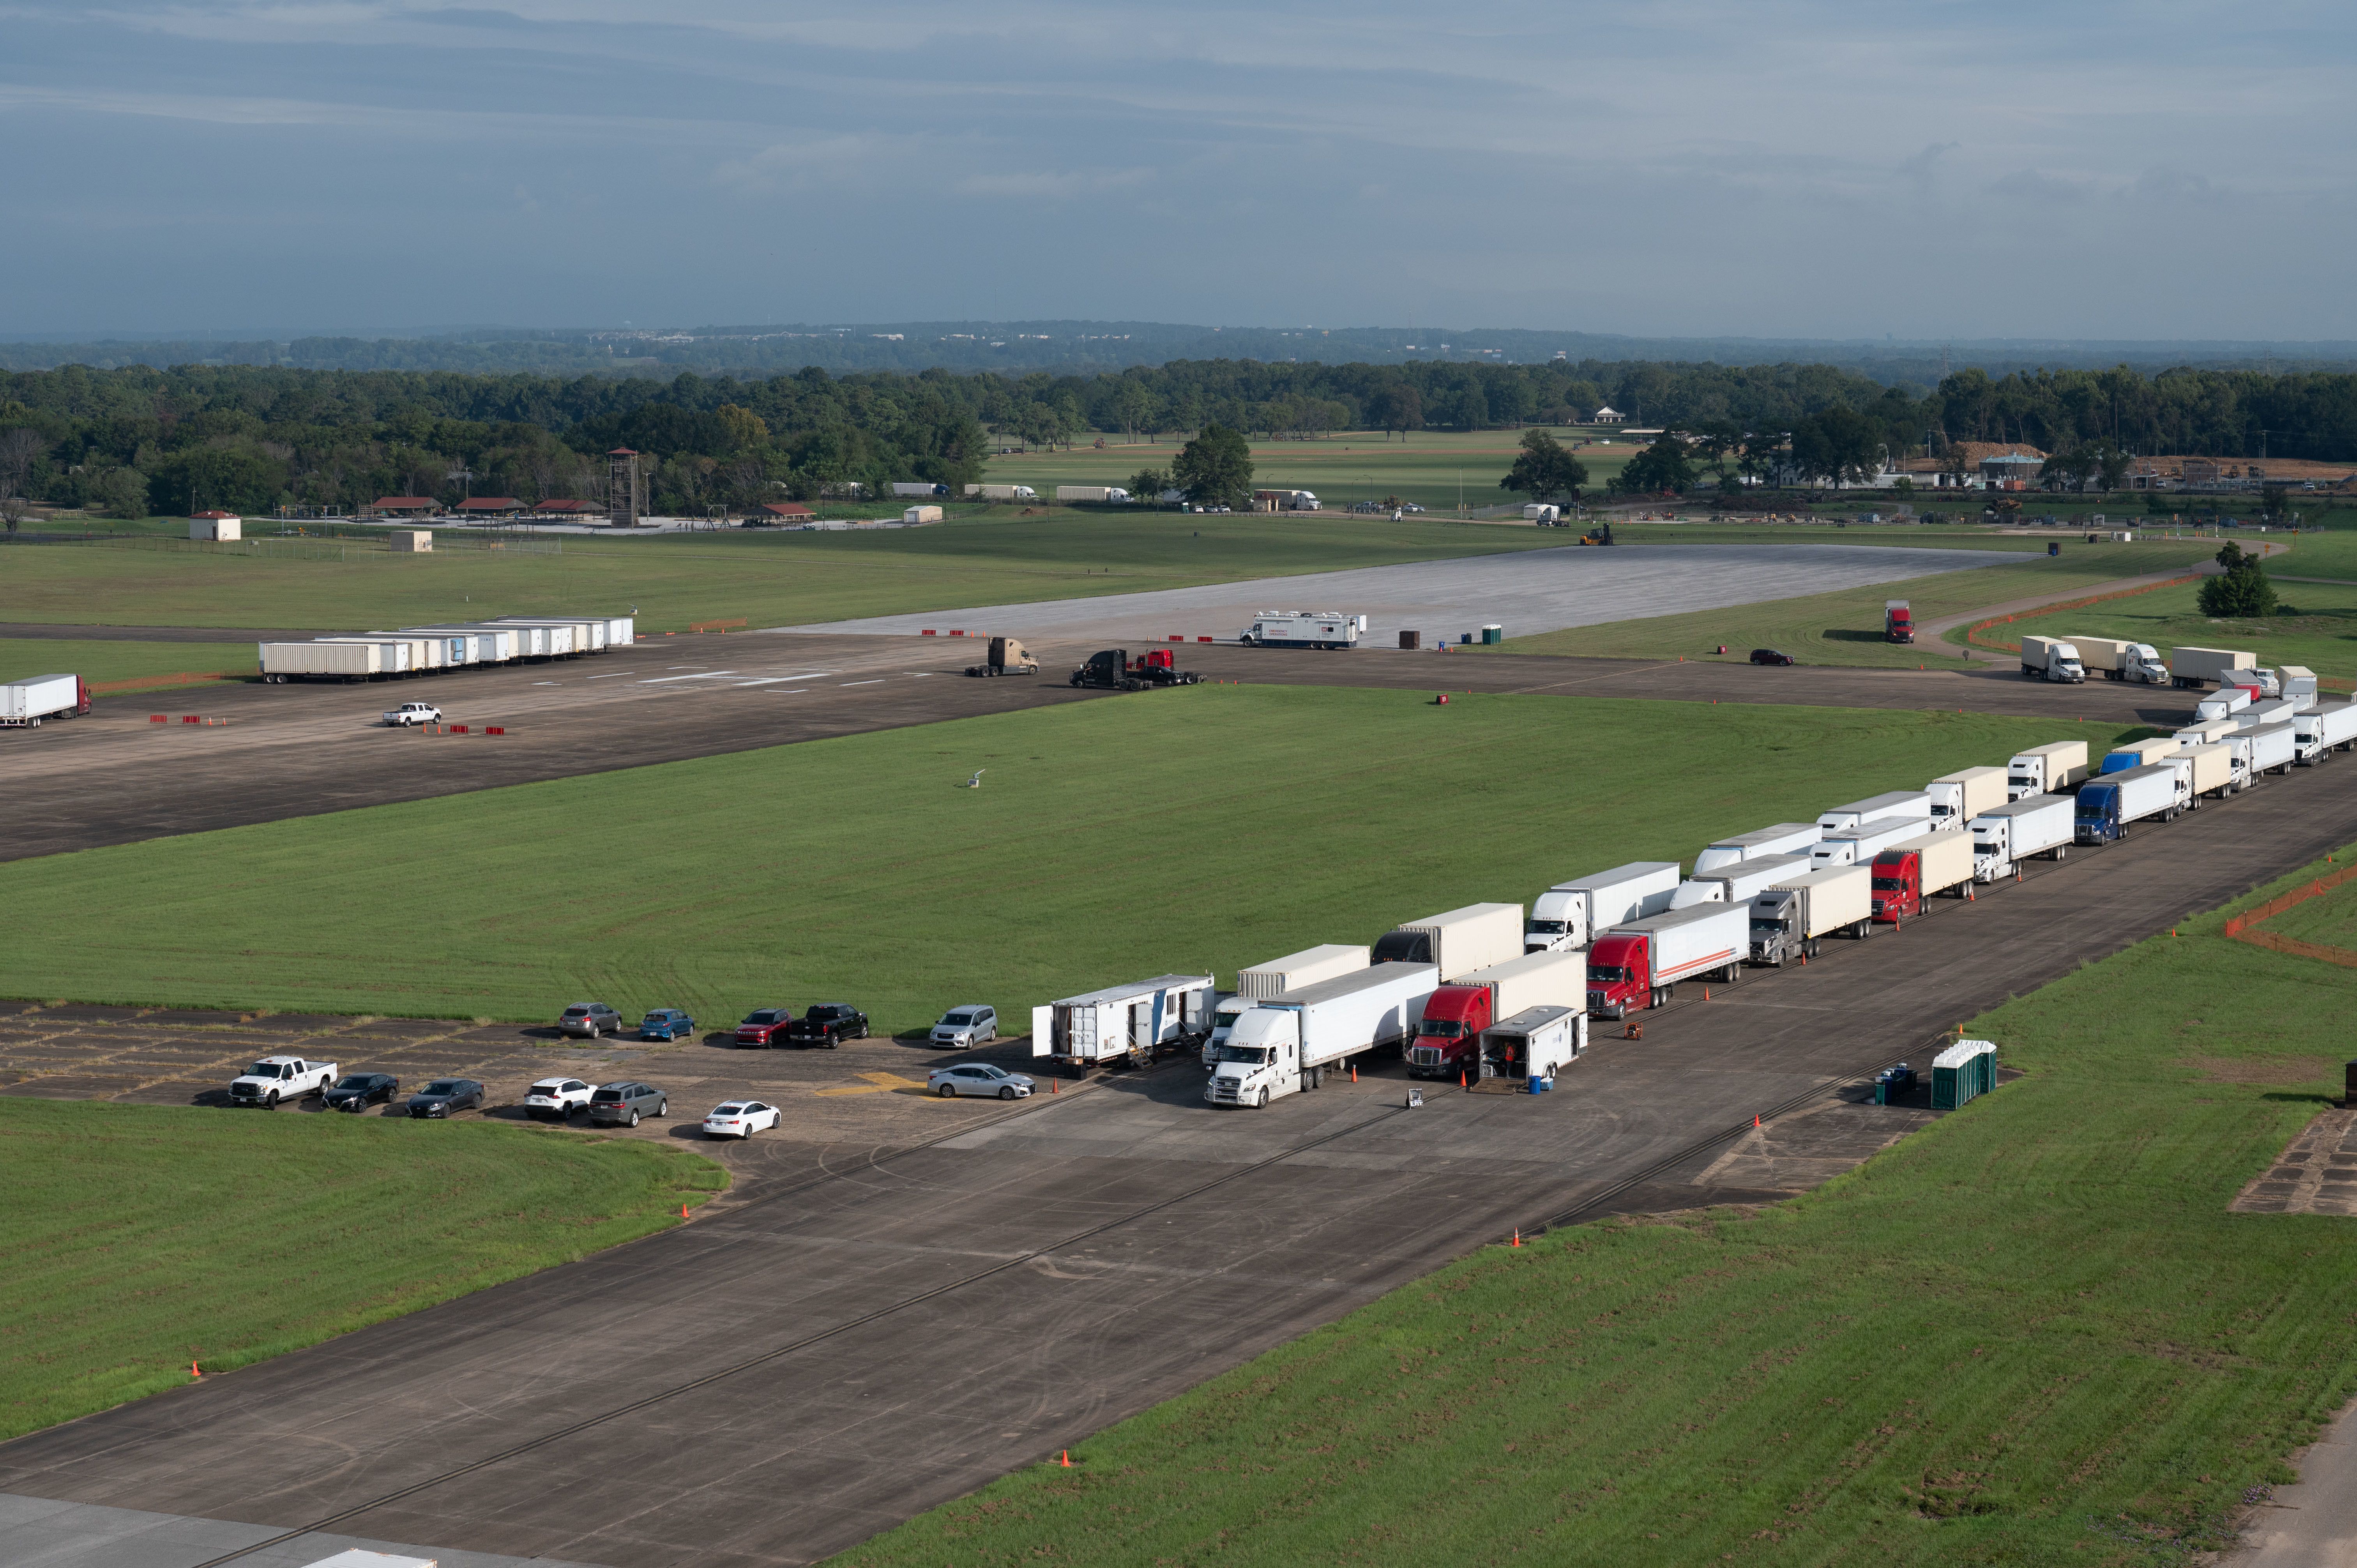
(740,1118)
(978,1077)
(410,713)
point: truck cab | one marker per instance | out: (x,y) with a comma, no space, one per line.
(1777,938)
(2141,663)
(1447,1041)
(1224,1014)
(1259,1061)
(1620,977)
(1558,922)
(1897,621)
(2045,658)
(1898,886)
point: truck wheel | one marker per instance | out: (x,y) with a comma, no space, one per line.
(269,1101)
(1262,1103)
(1317,1078)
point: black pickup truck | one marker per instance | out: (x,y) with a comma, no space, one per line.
(828,1024)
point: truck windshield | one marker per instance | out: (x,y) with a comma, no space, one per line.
(1889,884)
(1441,1029)
(265,1069)
(1767,925)
(1606,972)
(1249,1056)
(1547,928)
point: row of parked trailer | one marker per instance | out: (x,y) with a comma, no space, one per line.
(1484,993)
(428,650)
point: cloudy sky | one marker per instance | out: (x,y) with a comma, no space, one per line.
(1985,169)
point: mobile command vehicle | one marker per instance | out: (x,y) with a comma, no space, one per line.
(1286,1044)
(1125,1023)
(1568,914)
(1791,920)
(1304,629)
(1458,942)
(1638,965)
(1456,1013)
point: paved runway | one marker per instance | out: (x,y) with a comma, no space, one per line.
(1528,592)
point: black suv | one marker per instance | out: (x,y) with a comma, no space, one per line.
(828,1024)
(1770,656)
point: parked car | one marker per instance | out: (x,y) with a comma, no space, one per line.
(764,1027)
(828,1024)
(273,1079)
(356,1091)
(621,1104)
(739,1119)
(1771,656)
(555,1099)
(410,713)
(445,1095)
(964,1027)
(590,1018)
(666,1023)
(978,1077)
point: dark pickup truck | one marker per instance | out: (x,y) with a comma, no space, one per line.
(828,1024)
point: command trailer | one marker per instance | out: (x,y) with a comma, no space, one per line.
(1304,629)
(1791,920)
(1637,966)
(24,703)
(1456,1013)
(1125,1023)
(2004,836)
(1567,914)
(1288,1043)
(1534,1044)
(1784,837)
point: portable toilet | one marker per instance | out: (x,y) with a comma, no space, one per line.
(1961,1073)
(1493,633)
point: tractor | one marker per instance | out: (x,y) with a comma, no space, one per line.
(1115,670)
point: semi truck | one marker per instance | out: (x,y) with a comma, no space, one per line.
(2211,769)
(1286,1044)
(1915,804)
(1275,978)
(1303,628)
(1124,1023)
(2320,732)
(1860,844)
(2275,710)
(24,703)
(1570,913)
(1007,655)
(2224,702)
(1897,621)
(2106,807)
(1913,870)
(2136,754)
(1534,1044)
(1957,797)
(1737,883)
(1638,965)
(1003,492)
(2004,836)
(1448,1038)
(1112,669)
(2271,748)
(285,661)
(2120,661)
(1791,920)
(1110,493)
(2051,658)
(1457,940)
(2048,769)
(1784,837)
(2195,666)
(2203,731)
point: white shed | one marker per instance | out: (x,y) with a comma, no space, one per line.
(411,541)
(215,526)
(921,514)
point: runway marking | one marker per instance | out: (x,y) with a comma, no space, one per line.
(611,674)
(706,675)
(878,682)
(546,683)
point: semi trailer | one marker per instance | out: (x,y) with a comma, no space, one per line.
(2120,661)
(1288,1043)
(2320,732)
(2225,703)
(2051,658)
(1458,942)
(1737,883)
(2299,681)
(1784,837)
(1131,1022)
(2106,808)
(2193,666)
(1912,870)
(2211,767)
(1860,844)
(2048,769)
(2138,754)
(1569,914)
(1791,920)
(24,703)
(1534,1044)
(1638,965)
(1275,978)
(2004,836)
(1915,804)
(2270,748)
(285,661)
(1448,1036)
(1957,797)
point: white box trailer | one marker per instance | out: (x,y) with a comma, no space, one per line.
(2212,769)
(2320,732)
(1860,844)
(2273,748)
(1129,1023)
(2299,681)
(1784,837)
(285,661)
(1286,1045)
(2004,836)
(1303,628)
(1791,920)
(1296,969)
(1957,797)
(1458,942)
(1914,803)
(1737,884)
(1534,1044)
(2204,731)
(2192,666)
(1569,914)
(486,644)
(24,703)
(399,655)
(2275,711)
(1655,954)
(2046,769)
(1944,860)
(2226,702)
(567,635)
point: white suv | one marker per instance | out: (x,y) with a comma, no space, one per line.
(555,1099)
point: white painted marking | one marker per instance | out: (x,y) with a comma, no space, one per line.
(610,674)
(878,682)
(544,682)
(708,675)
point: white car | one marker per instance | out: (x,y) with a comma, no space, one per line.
(978,1077)
(555,1099)
(410,713)
(961,1028)
(740,1118)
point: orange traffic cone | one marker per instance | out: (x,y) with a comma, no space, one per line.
(1460,1078)
(1518,1236)
(682,1211)
(195,1370)
(1354,1072)
(1755,1119)
(1066,1458)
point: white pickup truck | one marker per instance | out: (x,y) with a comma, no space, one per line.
(273,1079)
(410,713)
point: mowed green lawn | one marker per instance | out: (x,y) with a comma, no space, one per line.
(2031,1334)
(1201,828)
(99,661)
(2323,636)
(1845,626)
(142,1240)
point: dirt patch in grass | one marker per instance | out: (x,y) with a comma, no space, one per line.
(2269,1069)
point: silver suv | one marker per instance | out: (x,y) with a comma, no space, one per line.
(621,1104)
(590,1018)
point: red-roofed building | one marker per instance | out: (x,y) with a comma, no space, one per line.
(489,506)
(783,512)
(566,508)
(402,506)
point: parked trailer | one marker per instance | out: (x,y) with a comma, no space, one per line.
(285,661)
(1737,884)
(2299,681)
(1569,914)
(1454,1014)
(567,635)
(1304,629)
(2211,769)
(2275,711)
(1791,920)
(2004,836)
(1534,1044)
(1784,837)
(1287,1042)
(2320,732)
(2048,769)
(1296,969)
(1124,1023)
(2108,807)
(486,644)
(1458,940)
(2225,703)
(2204,731)
(2273,748)
(1090,493)
(24,703)
(1638,965)
(1957,797)
(400,655)
(2051,658)
(2120,661)
(2192,666)
(1910,803)
(1860,844)
(2138,754)
(1910,872)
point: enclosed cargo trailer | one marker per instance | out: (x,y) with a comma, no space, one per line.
(1296,969)
(1791,920)
(1737,884)
(1913,870)
(2004,836)
(24,703)
(2106,808)
(1784,837)
(1534,1044)
(1957,797)
(1637,966)
(1125,1023)
(285,661)
(1860,844)
(1458,940)
(2211,769)
(1914,803)
(2192,666)
(2321,731)
(2048,769)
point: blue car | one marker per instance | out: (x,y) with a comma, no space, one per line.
(666,1023)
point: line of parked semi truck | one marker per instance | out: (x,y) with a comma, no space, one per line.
(426,650)
(1492,999)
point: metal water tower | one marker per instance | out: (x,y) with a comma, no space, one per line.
(622,499)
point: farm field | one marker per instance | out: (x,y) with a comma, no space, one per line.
(222,1238)
(2031,1333)
(816,872)
(100,662)
(1845,628)
(2323,636)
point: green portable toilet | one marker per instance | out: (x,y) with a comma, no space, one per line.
(1962,1071)
(1493,634)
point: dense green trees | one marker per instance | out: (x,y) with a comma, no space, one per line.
(1215,469)
(1666,465)
(2244,590)
(1544,470)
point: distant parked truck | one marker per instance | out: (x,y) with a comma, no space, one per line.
(399,655)
(918,487)
(1911,803)
(1535,1043)
(1860,844)
(2271,748)
(1003,492)
(1458,942)
(1737,883)
(1113,493)
(1638,965)
(2120,661)
(1303,628)
(2223,702)
(1784,837)
(2136,754)
(1447,1039)
(1007,655)
(285,661)
(2048,769)
(1286,500)
(1567,914)
(1288,1043)
(918,516)
(1791,920)
(1913,870)
(2193,666)
(2299,681)
(2004,836)
(24,703)
(1897,621)
(2276,711)
(2108,807)
(1957,797)
(2051,658)
(1125,1023)
(2212,769)
(1545,514)
(2320,732)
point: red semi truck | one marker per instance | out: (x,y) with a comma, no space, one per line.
(1635,966)
(1910,871)
(1448,1038)
(1897,621)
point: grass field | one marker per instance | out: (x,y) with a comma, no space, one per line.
(2330,920)
(142,1238)
(1845,628)
(102,662)
(859,869)
(2031,1334)
(2323,635)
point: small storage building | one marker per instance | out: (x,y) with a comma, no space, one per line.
(411,541)
(218,527)
(921,514)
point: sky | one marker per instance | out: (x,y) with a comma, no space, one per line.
(1971,170)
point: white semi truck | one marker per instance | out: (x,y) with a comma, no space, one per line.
(1784,837)
(2121,661)
(2321,732)
(2051,658)
(1911,803)
(2004,836)
(1860,844)
(24,703)
(1276,977)
(2048,769)
(1957,797)
(1568,915)
(1287,1042)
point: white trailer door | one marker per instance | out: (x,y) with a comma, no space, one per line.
(1043,1030)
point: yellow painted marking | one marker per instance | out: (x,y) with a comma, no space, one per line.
(877,1083)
